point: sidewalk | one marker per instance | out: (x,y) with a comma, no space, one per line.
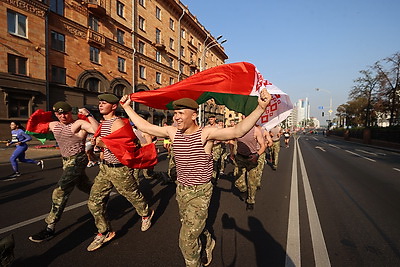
(35,151)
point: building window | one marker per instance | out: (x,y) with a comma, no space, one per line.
(18,107)
(92,84)
(16,23)
(142,3)
(141,23)
(183,33)
(158,36)
(16,64)
(94,54)
(181,67)
(171,24)
(121,64)
(141,47)
(158,77)
(58,75)
(120,36)
(171,80)
(93,23)
(158,56)
(158,12)
(171,62)
(57,41)
(57,6)
(120,9)
(182,51)
(142,72)
(119,90)
(171,44)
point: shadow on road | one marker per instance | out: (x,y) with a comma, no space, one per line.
(268,251)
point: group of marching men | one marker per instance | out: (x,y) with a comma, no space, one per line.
(193,157)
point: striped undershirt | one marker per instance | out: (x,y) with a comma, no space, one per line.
(69,143)
(193,165)
(106,130)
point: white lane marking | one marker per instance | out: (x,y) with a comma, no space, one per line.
(396,169)
(318,147)
(366,152)
(315,138)
(293,257)
(334,146)
(42,217)
(360,156)
(321,256)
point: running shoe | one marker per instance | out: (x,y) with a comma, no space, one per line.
(99,240)
(146,221)
(41,164)
(43,235)
(15,174)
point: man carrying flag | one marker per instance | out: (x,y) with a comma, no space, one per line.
(192,146)
(71,136)
(115,136)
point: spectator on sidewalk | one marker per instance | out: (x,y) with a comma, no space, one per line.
(70,135)
(194,163)
(19,139)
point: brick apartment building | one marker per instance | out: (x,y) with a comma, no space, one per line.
(69,50)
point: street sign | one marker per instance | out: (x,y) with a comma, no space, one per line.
(330,111)
(320,107)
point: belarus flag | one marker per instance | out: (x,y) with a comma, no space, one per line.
(236,85)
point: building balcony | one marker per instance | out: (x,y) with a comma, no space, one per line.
(98,7)
(96,38)
(160,45)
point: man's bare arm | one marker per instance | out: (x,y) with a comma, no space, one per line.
(142,124)
(245,125)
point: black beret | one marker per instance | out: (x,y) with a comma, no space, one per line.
(62,107)
(185,103)
(109,98)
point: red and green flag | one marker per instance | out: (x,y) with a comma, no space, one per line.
(38,125)
(122,143)
(235,85)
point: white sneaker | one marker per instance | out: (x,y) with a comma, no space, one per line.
(146,221)
(41,164)
(99,240)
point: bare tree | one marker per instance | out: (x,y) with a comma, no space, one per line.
(389,73)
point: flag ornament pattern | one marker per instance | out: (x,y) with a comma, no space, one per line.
(235,85)
(122,143)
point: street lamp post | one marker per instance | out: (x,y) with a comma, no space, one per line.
(330,101)
(207,47)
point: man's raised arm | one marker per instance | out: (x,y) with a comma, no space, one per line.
(246,124)
(142,124)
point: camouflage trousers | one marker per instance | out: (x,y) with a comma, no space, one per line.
(147,174)
(260,169)
(193,202)
(171,166)
(246,178)
(276,146)
(122,179)
(73,175)
(217,152)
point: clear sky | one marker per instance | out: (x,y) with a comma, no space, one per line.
(300,45)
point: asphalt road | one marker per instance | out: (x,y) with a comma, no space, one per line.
(330,203)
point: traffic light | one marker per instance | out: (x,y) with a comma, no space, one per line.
(322,113)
